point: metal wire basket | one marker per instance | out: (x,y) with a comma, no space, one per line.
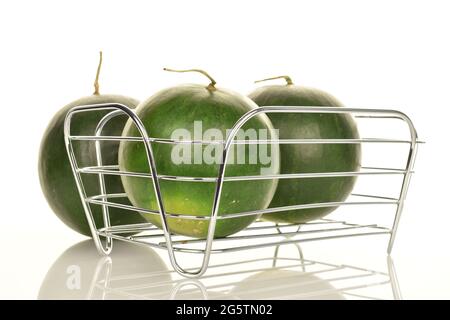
(258,235)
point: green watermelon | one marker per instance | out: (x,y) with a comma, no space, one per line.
(309,158)
(55,173)
(180,107)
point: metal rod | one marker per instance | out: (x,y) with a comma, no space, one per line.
(101,178)
(240,142)
(280,226)
(270,235)
(290,241)
(405,184)
(94,170)
(240,214)
(127,228)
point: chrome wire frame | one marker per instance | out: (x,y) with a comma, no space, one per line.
(114,232)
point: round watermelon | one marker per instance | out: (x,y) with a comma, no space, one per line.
(55,173)
(310,158)
(184,112)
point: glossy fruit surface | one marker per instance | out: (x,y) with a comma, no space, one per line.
(310,158)
(55,173)
(182,109)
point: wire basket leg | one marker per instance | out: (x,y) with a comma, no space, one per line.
(159,199)
(81,191)
(403,192)
(101,178)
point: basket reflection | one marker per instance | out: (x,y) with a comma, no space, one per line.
(138,272)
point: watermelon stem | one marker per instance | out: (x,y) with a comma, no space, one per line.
(287,78)
(210,86)
(96,85)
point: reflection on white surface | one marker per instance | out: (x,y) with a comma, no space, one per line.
(77,273)
(286,284)
(137,272)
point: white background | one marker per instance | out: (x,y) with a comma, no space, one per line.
(389,54)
